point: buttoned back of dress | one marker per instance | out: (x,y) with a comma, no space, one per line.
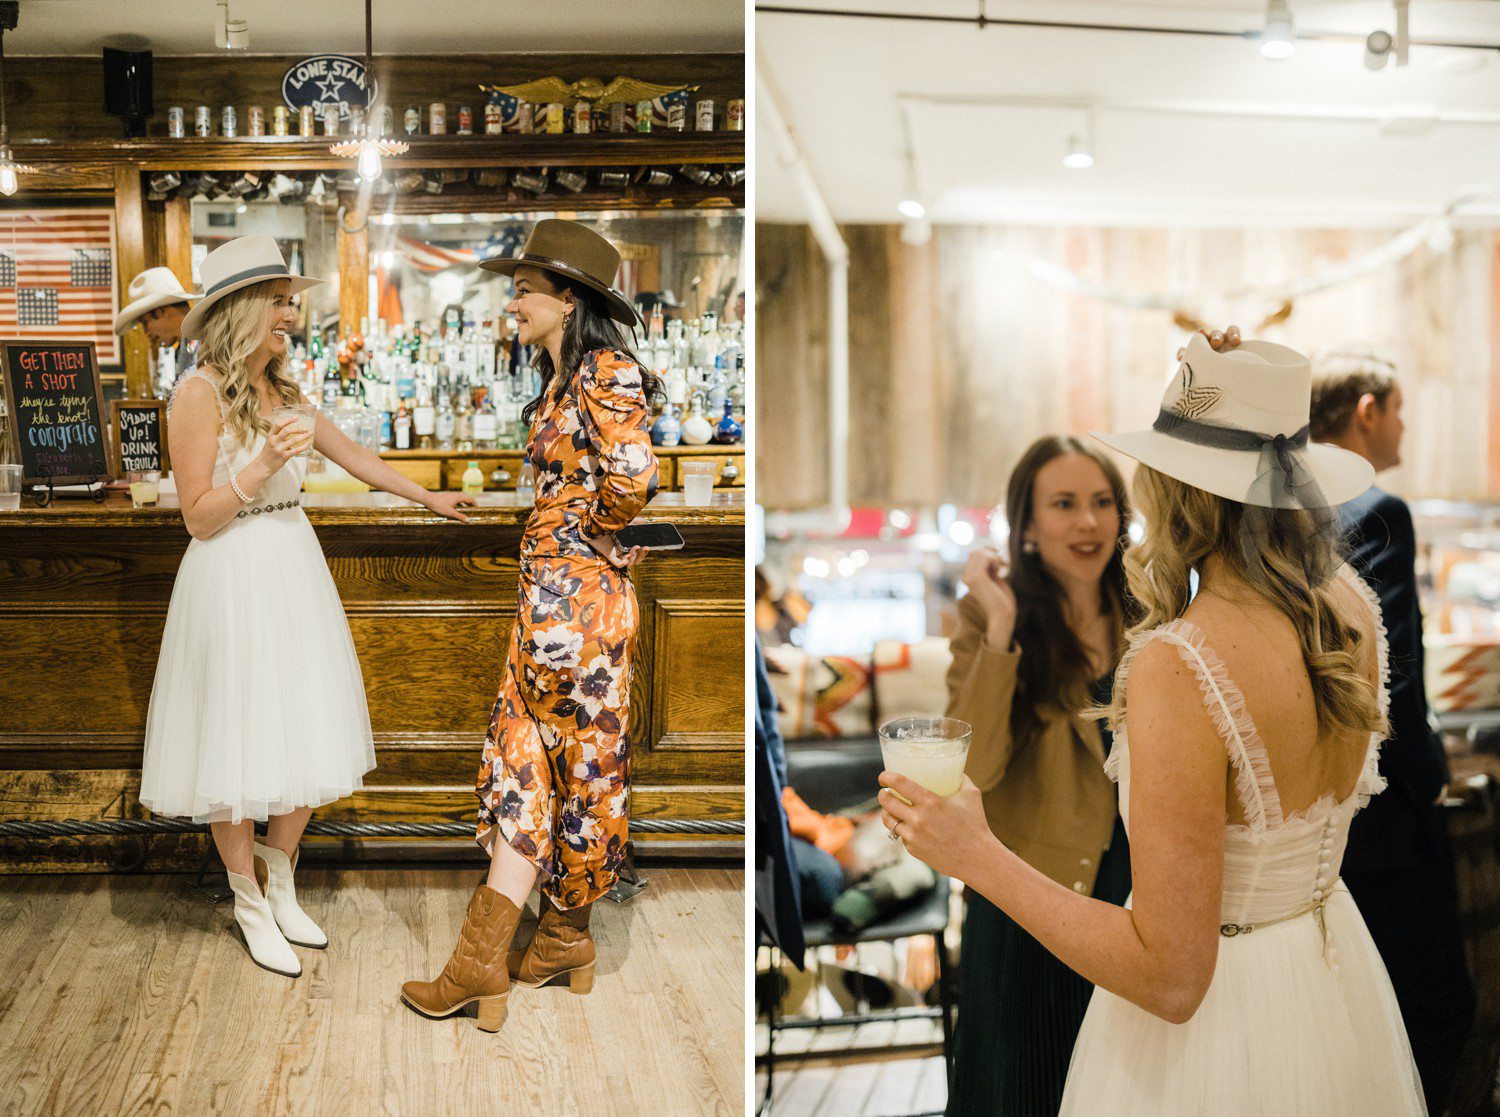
(1276,865)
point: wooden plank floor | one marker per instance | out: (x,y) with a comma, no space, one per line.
(874,1088)
(129,994)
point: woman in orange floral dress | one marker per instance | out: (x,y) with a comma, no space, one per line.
(553,790)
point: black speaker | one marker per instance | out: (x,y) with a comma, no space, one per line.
(127,88)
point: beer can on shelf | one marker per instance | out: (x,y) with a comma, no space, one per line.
(583,118)
(526,118)
(281,121)
(176,122)
(734,119)
(255,121)
(677,115)
(437,119)
(555,114)
(307,122)
(465,120)
(387,120)
(705,115)
(617,117)
(643,114)
(494,116)
(229,124)
(203,121)
(411,120)
(331,116)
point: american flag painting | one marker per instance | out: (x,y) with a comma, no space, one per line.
(57,277)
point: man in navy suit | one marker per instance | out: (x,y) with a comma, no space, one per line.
(1399,864)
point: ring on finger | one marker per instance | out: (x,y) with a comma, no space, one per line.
(894,833)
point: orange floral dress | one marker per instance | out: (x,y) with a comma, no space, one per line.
(554,781)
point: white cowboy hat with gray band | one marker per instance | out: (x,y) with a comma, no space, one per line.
(153,288)
(1235,423)
(236,265)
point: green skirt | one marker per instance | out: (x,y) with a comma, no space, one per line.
(1019,1008)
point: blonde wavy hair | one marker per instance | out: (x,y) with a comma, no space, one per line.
(232,330)
(1185,525)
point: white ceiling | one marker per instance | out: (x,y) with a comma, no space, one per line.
(1188,129)
(401,26)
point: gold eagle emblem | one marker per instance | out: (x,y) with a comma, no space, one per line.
(555,91)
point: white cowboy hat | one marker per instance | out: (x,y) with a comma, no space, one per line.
(154,287)
(1227,418)
(237,264)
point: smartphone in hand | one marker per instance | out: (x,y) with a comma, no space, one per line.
(656,537)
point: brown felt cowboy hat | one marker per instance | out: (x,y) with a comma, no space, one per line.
(574,252)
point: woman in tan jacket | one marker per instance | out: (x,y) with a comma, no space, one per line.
(1037,643)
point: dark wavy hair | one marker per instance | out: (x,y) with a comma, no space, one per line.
(588,328)
(1054,670)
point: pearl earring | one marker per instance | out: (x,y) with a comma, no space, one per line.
(1029,546)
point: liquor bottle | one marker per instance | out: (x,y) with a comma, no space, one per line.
(485,429)
(403,428)
(424,417)
(728,431)
(696,430)
(333,384)
(463,416)
(473,480)
(446,420)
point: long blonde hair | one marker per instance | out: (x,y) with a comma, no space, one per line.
(1185,525)
(233,330)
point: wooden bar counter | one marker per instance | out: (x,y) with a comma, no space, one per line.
(84,590)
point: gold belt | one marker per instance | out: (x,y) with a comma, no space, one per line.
(1315,909)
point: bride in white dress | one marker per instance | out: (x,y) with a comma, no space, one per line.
(1239,978)
(258,708)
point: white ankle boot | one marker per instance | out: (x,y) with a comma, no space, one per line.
(295,923)
(252,911)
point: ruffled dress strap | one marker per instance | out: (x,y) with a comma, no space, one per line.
(1371,782)
(1226,707)
(196,373)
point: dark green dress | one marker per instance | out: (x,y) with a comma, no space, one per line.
(1019,1008)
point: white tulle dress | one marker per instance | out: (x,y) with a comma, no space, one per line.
(258,706)
(1300,1020)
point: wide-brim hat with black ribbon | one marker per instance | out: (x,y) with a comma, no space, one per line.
(574,252)
(152,289)
(234,266)
(1235,423)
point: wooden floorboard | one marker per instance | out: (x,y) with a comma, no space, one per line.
(129,994)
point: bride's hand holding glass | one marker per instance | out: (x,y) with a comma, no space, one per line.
(949,833)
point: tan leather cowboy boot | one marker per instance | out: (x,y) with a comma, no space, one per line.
(476,972)
(561,947)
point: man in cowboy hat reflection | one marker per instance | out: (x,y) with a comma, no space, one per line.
(1399,861)
(159,304)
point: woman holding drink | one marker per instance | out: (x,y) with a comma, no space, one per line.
(258,709)
(1037,642)
(1240,978)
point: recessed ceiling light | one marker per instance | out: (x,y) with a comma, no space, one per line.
(911,208)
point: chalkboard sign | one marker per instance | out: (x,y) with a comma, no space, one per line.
(138,435)
(56,410)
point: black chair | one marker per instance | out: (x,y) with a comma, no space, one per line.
(839,775)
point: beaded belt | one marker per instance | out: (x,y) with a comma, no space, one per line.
(258,509)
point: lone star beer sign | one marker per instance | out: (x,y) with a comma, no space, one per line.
(326,79)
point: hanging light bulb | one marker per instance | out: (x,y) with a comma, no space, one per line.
(369,161)
(8,166)
(1278,41)
(1079,156)
(368,148)
(7,176)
